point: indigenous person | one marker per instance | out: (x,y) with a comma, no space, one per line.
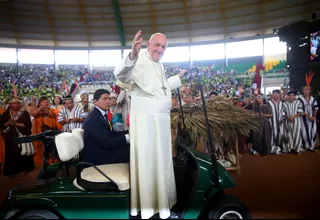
(292,123)
(308,119)
(84,103)
(116,112)
(103,145)
(276,122)
(71,116)
(44,119)
(151,164)
(57,102)
(57,105)
(124,102)
(15,119)
(261,141)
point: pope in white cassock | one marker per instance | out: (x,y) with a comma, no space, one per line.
(153,188)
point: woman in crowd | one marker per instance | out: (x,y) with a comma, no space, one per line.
(57,105)
(261,141)
(84,102)
(12,121)
(44,119)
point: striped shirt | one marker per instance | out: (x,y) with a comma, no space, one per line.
(76,112)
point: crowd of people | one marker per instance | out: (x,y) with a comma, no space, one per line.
(43,80)
(38,115)
(288,125)
(280,134)
(35,81)
(291,119)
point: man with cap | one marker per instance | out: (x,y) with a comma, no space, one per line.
(292,109)
(276,122)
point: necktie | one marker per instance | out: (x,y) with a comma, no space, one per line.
(106,117)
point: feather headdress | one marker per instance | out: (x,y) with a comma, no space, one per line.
(309,78)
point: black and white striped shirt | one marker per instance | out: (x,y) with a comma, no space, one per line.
(76,112)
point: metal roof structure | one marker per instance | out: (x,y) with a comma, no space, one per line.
(113,23)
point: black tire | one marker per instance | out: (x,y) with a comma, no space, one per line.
(228,207)
(37,214)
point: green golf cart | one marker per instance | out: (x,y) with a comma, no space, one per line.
(103,192)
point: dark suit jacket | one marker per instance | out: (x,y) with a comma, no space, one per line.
(101,145)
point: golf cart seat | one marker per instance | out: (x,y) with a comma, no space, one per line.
(110,177)
(67,146)
(78,134)
(92,179)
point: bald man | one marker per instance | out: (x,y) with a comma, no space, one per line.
(153,188)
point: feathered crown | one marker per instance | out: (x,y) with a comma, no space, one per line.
(309,78)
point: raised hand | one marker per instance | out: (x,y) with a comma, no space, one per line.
(136,45)
(182,72)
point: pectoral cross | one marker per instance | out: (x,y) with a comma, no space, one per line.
(164,89)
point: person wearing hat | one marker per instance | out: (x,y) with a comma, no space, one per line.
(308,119)
(292,109)
(71,116)
(15,120)
(150,127)
(84,102)
(276,122)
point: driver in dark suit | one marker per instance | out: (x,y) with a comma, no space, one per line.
(102,145)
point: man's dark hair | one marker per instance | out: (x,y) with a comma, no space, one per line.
(98,93)
(213,93)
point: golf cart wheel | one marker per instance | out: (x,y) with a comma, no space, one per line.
(37,214)
(229,207)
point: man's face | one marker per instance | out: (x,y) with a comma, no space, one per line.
(306,90)
(103,102)
(69,104)
(291,97)
(275,96)
(157,47)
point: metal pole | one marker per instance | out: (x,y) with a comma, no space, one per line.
(213,158)
(181,110)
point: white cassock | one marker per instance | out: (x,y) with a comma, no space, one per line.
(153,187)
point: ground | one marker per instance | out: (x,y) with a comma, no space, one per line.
(284,186)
